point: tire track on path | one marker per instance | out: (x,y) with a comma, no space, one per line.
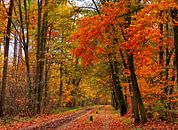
(59,123)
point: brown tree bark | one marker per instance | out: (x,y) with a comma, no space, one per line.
(25,42)
(41,45)
(47,72)
(135,108)
(15,51)
(176,51)
(136,90)
(117,88)
(174,14)
(61,83)
(6,53)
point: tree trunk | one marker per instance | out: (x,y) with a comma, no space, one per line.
(136,91)
(47,71)
(117,88)
(133,98)
(14,70)
(61,84)
(176,50)
(6,53)
(161,52)
(27,54)
(25,41)
(15,51)
(46,83)
(115,99)
(175,28)
(41,45)
(135,108)
(168,59)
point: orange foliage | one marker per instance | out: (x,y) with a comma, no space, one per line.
(143,38)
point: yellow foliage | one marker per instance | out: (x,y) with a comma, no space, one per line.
(64,10)
(156,115)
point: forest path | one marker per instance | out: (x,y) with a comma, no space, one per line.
(61,122)
(91,118)
(103,119)
(95,118)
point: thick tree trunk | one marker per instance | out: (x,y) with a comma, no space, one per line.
(117,88)
(133,98)
(176,50)
(27,54)
(115,99)
(136,90)
(37,79)
(41,43)
(135,108)
(6,53)
(174,14)
(168,59)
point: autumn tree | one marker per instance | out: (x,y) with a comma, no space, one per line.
(24,25)
(91,45)
(41,45)
(6,53)
(124,28)
(153,34)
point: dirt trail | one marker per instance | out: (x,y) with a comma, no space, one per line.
(103,119)
(59,123)
(76,118)
(95,118)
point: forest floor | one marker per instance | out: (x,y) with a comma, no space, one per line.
(94,118)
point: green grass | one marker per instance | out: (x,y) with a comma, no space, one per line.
(59,110)
(6,120)
(115,111)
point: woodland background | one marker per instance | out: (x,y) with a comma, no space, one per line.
(56,54)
